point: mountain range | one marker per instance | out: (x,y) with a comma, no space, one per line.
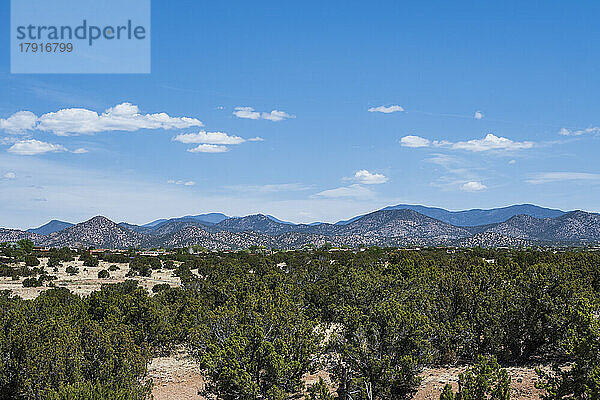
(401,225)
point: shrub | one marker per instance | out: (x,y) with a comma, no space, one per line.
(113,268)
(103,274)
(160,287)
(71,270)
(31,261)
(31,282)
(485,380)
(582,379)
(319,391)
(54,261)
(89,261)
(140,266)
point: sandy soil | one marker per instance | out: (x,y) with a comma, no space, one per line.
(86,281)
(176,378)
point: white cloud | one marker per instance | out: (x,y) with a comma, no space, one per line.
(511,162)
(9,175)
(578,132)
(250,113)
(180,182)
(80,151)
(386,109)
(352,191)
(122,117)
(208,138)
(32,147)
(365,177)
(489,143)
(548,177)
(208,148)
(478,115)
(473,186)
(256,139)
(19,122)
(414,141)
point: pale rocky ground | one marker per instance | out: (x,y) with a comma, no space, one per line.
(86,281)
(434,379)
(179,377)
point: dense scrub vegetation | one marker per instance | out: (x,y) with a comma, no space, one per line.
(256,323)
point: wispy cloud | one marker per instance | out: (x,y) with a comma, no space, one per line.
(250,113)
(9,175)
(578,132)
(31,147)
(211,142)
(208,138)
(386,109)
(490,142)
(352,191)
(208,148)
(10,140)
(271,188)
(180,182)
(548,177)
(77,121)
(478,115)
(457,173)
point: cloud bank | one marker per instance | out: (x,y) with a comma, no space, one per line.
(81,121)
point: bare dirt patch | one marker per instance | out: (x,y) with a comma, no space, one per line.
(434,379)
(178,377)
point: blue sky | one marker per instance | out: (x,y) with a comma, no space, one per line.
(473,105)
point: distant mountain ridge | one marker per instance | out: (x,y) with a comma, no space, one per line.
(391,226)
(475,217)
(51,227)
(210,218)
